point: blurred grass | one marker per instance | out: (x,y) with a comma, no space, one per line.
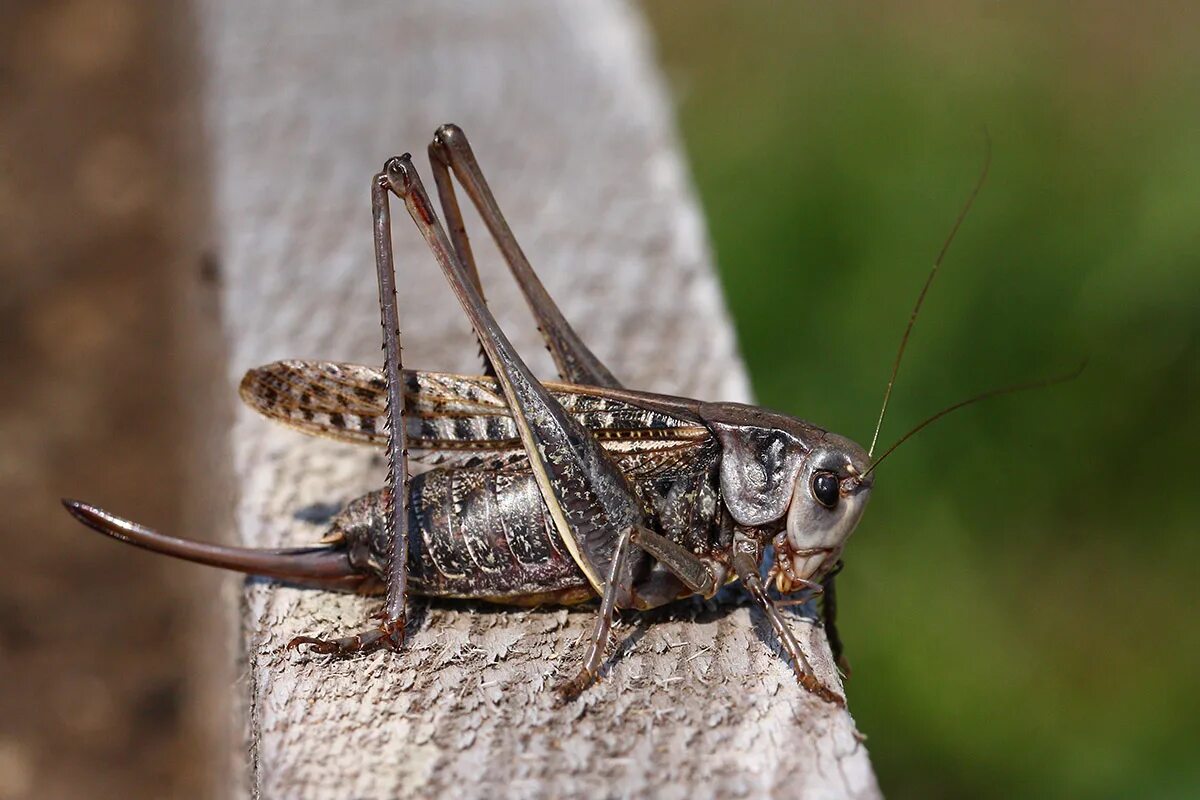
(1020,602)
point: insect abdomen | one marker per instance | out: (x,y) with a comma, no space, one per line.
(478,533)
(486,533)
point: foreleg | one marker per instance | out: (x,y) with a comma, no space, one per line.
(745,564)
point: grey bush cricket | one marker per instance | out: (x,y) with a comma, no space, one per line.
(543,492)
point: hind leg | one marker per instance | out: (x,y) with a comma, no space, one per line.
(390,631)
(589,499)
(451,152)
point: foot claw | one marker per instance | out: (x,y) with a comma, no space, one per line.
(389,635)
(827,694)
(394,634)
(315,645)
(810,683)
(571,689)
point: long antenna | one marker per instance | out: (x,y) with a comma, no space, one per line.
(912,320)
(1018,387)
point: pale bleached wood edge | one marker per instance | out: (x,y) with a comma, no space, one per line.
(568,115)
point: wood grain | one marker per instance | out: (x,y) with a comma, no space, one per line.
(569,117)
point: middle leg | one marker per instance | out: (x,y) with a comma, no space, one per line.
(700,576)
(602,632)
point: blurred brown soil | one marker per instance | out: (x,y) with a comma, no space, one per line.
(95,697)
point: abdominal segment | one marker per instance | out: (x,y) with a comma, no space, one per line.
(473,533)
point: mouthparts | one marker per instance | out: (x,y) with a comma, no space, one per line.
(797,568)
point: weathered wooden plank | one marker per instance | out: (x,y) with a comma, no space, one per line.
(570,120)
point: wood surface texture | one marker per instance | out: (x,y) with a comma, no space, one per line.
(570,119)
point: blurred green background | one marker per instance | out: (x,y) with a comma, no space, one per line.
(1019,605)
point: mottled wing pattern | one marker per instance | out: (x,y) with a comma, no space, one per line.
(339,401)
(454,419)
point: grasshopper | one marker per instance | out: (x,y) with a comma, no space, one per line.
(544,492)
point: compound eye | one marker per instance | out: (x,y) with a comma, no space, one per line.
(826,489)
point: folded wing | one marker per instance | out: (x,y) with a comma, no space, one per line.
(451,418)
